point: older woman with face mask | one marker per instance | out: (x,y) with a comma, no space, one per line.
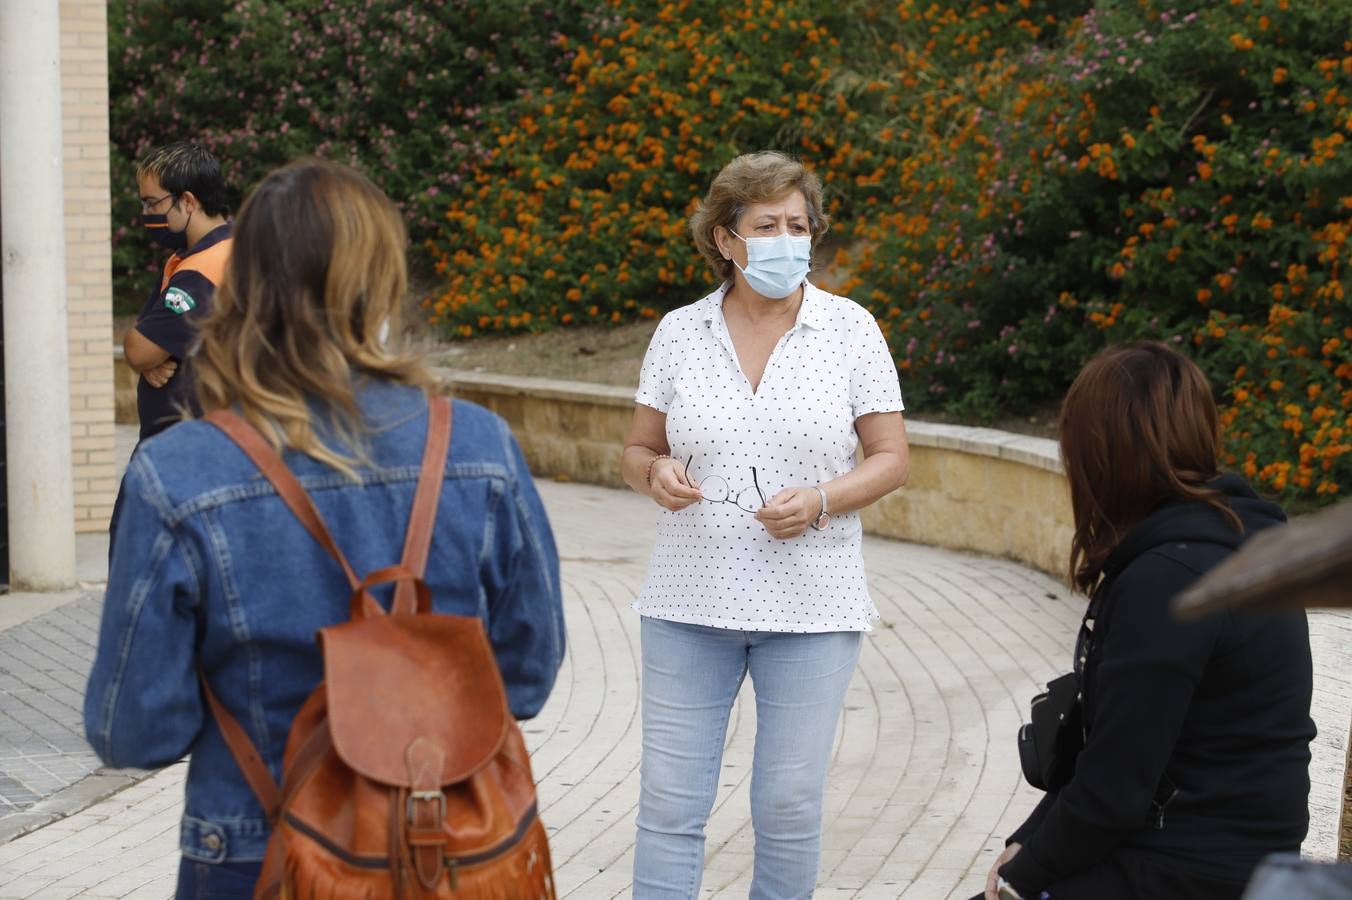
(751,405)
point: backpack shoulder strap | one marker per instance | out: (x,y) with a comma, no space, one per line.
(416,546)
(246,755)
(288,487)
(423,516)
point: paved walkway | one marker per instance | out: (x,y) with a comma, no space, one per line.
(42,744)
(924,783)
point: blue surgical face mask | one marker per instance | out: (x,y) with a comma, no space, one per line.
(776,266)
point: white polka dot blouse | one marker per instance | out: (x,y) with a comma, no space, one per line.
(713,563)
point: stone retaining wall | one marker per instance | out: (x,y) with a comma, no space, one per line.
(974,489)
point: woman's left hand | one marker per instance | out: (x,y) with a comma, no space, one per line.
(789,513)
(993,877)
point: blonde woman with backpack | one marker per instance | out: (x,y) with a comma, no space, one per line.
(222,576)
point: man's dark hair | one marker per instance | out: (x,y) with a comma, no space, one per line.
(184,166)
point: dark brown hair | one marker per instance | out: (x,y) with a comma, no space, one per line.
(317,268)
(1137,427)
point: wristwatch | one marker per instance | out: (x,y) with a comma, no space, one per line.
(825,518)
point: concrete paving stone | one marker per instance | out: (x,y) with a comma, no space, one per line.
(43,668)
(857,869)
(159,888)
(932,883)
(956,855)
(882,890)
(75,756)
(15,792)
(41,888)
(924,780)
(971,885)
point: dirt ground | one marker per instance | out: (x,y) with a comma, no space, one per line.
(595,354)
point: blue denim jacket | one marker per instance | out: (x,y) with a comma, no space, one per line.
(209,566)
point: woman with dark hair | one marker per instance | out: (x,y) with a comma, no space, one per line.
(211,572)
(1196,754)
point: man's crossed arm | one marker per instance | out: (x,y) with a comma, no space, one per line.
(148,358)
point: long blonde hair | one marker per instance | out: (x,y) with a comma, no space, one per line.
(316,269)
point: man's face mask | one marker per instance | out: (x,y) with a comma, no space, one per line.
(157,229)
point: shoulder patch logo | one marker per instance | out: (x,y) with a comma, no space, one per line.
(179,300)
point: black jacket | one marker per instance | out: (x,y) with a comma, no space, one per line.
(1217,709)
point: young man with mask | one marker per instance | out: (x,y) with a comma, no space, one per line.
(183,209)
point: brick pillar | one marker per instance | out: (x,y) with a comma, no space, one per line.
(84,110)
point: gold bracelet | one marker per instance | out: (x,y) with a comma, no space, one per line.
(648,476)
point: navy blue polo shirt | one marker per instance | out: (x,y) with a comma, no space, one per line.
(168,318)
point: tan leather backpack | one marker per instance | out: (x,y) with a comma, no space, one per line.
(405,774)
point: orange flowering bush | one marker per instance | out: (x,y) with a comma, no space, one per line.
(1241,249)
(579,213)
(1014,186)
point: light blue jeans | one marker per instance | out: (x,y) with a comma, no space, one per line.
(691,675)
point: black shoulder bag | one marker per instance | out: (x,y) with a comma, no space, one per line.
(1054,734)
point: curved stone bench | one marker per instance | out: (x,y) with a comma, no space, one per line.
(975,489)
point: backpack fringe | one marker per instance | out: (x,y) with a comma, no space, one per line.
(528,876)
(523,873)
(312,877)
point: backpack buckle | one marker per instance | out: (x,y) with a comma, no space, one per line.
(427,797)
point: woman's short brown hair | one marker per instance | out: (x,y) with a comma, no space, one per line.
(1138,426)
(753,178)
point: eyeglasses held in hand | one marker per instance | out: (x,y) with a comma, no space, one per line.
(716,490)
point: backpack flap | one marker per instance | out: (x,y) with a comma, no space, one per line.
(403,690)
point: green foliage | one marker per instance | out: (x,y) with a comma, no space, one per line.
(404,91)
(1015,186)
(579,212)
(1173,175)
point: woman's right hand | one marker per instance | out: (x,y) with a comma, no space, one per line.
(993,877)
(669,487)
